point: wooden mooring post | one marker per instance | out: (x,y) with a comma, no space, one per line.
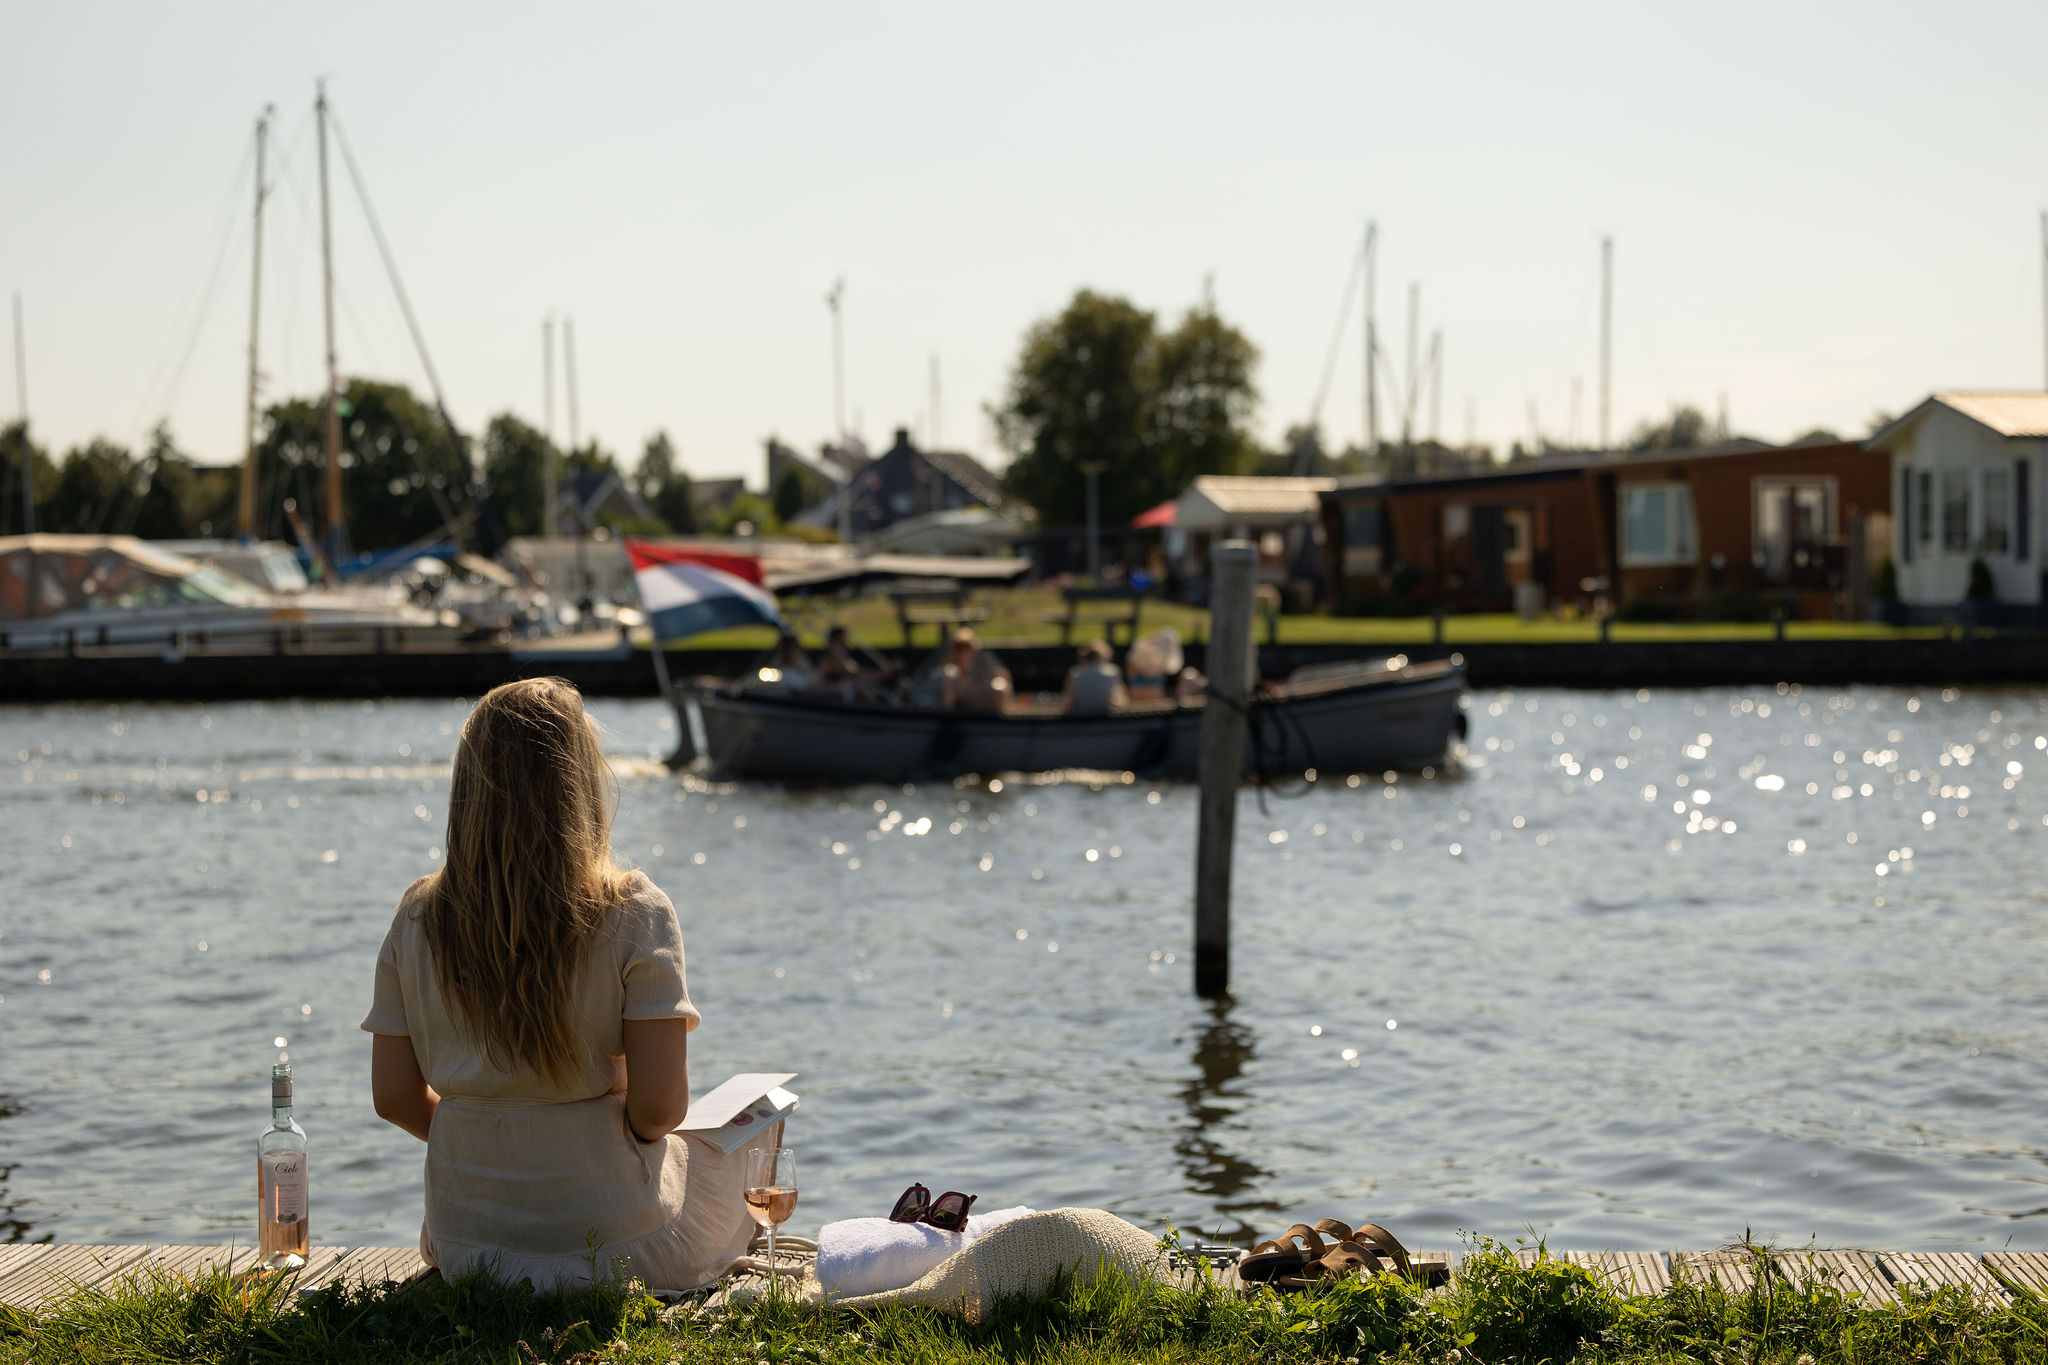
(1232,567)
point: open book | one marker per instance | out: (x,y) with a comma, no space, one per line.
(736,1113)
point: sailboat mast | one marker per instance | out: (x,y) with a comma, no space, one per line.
(246,522)
(331,520)
(1372,346)
(569,382)
(28,464)
(551,463)
(1606,336)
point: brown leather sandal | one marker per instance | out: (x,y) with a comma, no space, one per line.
(1334,1250)
(1268,1261)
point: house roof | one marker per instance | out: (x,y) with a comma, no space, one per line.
(1577,463)
(2007,413)
(2012,413)
(971,474)
(1254,495)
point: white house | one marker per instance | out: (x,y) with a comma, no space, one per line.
(1967,470)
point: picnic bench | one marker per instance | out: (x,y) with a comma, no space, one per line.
(941,603)
(1077,597)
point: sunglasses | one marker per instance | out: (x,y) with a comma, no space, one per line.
(948,1212)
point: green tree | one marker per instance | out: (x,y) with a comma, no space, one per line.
(404,475)
(790,495)
(92,485)
(176,499)
(588,458)
(1201,406)
(750,508)
(515,468)
(664,486)
(1101,383)
(17,449)
(1687,428)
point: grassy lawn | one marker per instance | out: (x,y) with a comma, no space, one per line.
(1495,1312)
(1028,616)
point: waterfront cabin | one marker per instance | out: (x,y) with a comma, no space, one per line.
(1279,514)
(1967,470)
(1744,529)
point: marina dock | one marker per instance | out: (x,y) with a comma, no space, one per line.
(31,1275)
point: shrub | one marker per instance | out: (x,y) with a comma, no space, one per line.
(1648,608)
(1735,606)
(1544,1311)
(1981,589)
(1884,585)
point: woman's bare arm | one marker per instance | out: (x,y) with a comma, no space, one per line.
(397,1086)
(657,1075)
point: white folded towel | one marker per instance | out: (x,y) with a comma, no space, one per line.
(871,1255)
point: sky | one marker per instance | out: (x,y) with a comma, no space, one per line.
(1819,211)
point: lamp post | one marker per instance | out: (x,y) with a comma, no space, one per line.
(1093,470)
(839,415)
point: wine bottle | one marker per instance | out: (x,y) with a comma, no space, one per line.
(281,1186)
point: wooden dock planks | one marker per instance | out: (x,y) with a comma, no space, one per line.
(1931,1270)
(1734,1269)
(2027,1269)
(64,1269)
(321,1263)
(179,1263)
(1851,1272)
(14,1257)
(1630,1273)
(30,1276)
(376,1265)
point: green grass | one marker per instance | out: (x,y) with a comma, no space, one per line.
(1496,1312)
(1020,616)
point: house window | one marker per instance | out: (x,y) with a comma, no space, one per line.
(1997,494)
(1657,524)
(1924,514)
(1363,551)
(1794,520)
(1955,511)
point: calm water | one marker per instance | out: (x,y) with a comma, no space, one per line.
(1647,971)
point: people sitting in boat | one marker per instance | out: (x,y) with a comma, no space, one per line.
(1151,665)
(972,680)
(839,672)
(788,666)
(1094,687)
(838,661)
(531,1024)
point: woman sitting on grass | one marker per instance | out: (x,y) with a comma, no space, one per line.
(531,1027)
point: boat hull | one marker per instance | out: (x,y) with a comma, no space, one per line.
(1401,719)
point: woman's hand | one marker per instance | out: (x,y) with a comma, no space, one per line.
(398,1087)
(657,1066)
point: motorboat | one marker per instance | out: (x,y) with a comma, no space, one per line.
(1364,716)
(122,594)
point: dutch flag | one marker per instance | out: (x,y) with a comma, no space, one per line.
(687,591)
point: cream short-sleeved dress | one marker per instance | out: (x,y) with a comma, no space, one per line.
(543,1180)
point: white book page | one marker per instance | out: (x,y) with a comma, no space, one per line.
(728,1100)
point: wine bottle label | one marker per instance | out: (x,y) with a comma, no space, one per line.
(284,1180)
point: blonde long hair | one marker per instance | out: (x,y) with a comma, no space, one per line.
(529,878)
